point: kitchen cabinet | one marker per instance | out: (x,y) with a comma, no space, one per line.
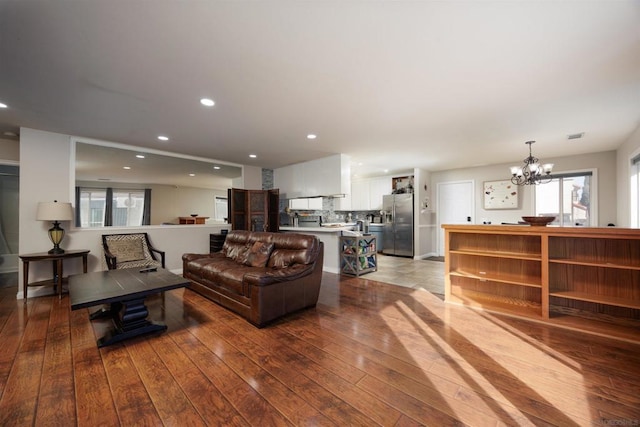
(376,231)
(378,187)
(254,210)
(322,177)
(366,194)
(580,278)
(314,203)
(360,195)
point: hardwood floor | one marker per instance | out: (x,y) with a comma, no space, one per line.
(369,354)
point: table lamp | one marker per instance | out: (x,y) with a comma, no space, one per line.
(55,211)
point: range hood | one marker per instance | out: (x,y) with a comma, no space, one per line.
(332,196)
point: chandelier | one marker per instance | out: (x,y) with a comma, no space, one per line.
(531,173)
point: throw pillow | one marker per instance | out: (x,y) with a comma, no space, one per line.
(127,250)
(236,251)
(258,254)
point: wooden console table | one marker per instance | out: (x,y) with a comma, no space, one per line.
(56,260)
(193,219)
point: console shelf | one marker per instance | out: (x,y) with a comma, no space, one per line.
(565,276)
(498,254)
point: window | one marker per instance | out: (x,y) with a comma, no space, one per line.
(568,197)
(92,205)
(126,207)
(221,208)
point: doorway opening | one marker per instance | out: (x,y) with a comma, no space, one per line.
(9,196)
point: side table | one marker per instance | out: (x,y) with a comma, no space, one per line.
(56,260)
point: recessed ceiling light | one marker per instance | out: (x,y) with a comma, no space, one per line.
(126,167)
(386,171)
(207,102)
(216,167)
(9,133)
(192,174)
(140,156)
(3,105)
(312,136)
(163,138)
(253,156)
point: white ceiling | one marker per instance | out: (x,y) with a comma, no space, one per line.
(395,85)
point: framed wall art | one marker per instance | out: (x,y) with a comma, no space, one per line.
(500,195)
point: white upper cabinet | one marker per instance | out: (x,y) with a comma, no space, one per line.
(314,204)
(360,195)
(366,194)
(378,187)
(322,177)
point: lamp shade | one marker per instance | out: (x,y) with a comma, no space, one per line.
(54,211)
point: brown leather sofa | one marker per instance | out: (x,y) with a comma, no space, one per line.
(261,276)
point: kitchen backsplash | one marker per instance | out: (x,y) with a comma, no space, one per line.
(328,213)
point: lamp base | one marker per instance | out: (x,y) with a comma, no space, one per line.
(56,233)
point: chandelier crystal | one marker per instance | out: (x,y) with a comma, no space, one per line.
(531,172)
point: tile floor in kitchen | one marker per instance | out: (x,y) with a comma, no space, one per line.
(409,273)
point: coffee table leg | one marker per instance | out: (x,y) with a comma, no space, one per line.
(130,321)
(106,313)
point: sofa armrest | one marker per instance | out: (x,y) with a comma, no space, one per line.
(191,257)
(271,276)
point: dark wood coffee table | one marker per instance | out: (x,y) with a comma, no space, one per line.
(125,290)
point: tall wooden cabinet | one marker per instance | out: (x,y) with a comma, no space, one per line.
(581,278)
(254,210)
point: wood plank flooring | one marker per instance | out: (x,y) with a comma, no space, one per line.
(369,354)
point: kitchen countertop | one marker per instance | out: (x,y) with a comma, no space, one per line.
(318,229)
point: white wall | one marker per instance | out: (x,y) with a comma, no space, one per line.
(44,176)
(623,161)
(9,150)
(170,202)
(425,226)
(604,162)
(252,178)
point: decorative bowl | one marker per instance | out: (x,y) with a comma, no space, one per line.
(539,221)
(194,215)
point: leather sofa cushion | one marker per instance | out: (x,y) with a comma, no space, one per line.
(288,249)
(258,254)
(226,273)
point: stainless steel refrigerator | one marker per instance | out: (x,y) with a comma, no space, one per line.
(397,230)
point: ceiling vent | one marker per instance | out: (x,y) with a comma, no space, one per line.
(575,135)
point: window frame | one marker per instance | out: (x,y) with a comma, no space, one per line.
(593,195)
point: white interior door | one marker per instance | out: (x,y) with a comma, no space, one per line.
(455,205)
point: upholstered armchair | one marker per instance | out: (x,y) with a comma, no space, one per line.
(132,250)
